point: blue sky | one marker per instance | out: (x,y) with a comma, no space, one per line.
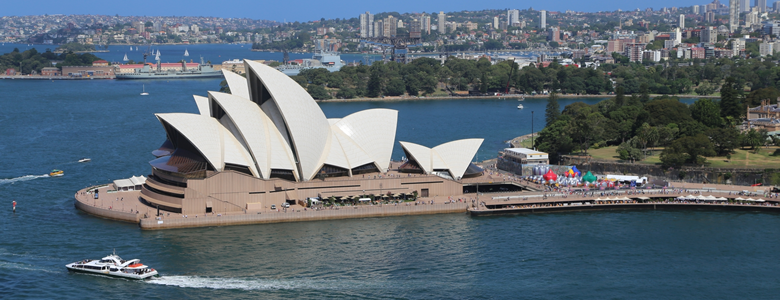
(306,10)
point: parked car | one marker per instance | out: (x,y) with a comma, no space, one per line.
(273,206)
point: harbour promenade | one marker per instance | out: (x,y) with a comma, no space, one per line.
(126,206)
(696,196)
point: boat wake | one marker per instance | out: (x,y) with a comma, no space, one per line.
(25,267)
(251,284)
(23,178)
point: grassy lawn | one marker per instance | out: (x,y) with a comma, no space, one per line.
(739,159)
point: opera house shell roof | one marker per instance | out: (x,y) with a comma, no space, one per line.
(268,126)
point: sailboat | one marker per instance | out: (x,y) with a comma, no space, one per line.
(131,48)
(125,59)
(186,53)
(144,93)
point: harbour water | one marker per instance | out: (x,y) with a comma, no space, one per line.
(215,53)
(632,254)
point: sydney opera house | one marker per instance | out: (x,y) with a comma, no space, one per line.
(267,142)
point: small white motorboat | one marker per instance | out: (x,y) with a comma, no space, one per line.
(519,106)
(83,160)
(113,265)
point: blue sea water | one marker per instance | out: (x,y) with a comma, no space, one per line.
(598,255)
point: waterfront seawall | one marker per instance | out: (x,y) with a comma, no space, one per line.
(622,206)
(105,213)
(345,212)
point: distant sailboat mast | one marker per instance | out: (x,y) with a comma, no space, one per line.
(186,53)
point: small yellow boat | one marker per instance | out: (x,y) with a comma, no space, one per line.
(56,173)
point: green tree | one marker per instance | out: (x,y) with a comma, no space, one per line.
(724,139)
(553,110)
(692,149)
(395,87)
(627,151)
(707,112)
(318,92)
(483,84)
(555,139)
(730,104)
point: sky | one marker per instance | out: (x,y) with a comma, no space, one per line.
(308,10)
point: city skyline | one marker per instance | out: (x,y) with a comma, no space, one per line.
(282,12)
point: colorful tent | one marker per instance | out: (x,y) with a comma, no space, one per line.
(589,177)
(550,176)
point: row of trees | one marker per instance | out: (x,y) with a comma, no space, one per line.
(32,60)
(637,124)
(697,76)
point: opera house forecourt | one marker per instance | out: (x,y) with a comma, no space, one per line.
(268,144)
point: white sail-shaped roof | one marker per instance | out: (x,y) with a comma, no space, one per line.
(420,154)
(237,84)
(309,130)
(373,132)
(454,156)
(212,140)
(203,105)
(257,131)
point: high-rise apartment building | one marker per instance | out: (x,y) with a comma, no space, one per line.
(554,34)
(695,9)
(709,35)
(415,29)
(761,4)
(390,26)
(744,6)
(682,21)
(379,28)
(425,23)
(734,14)
(442,20)
(543,19)
(512,17)
(366,25)
(495,22)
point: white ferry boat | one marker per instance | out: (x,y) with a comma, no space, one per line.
(113,265)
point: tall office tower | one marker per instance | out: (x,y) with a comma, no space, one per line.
(695,9)
(709,35)
(682,21)
(366,25)
(734,15)
(702,9)
(543,19)
(495,22)
(512,17)
(776,6)
(425,24)
(744,6)
(709,17)
(442,18)
(761,4)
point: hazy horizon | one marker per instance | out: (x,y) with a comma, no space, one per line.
(314,10)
